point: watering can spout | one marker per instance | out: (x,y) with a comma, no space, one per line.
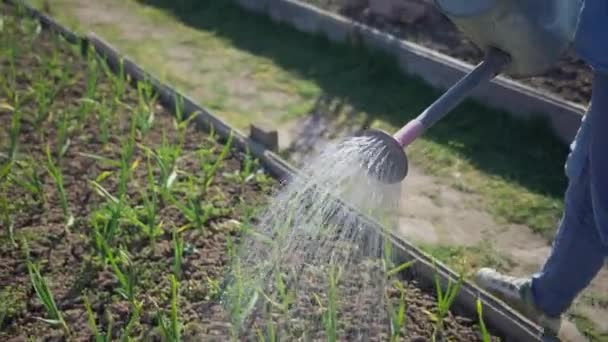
(392,166)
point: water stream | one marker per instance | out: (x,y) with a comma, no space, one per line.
(303,235)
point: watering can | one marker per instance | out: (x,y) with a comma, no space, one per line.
(521,38)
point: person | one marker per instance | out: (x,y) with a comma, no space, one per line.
(581,243)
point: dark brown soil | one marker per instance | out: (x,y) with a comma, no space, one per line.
(570,78)
(73,264)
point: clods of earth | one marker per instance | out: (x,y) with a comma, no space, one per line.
(119,218)
(421,22)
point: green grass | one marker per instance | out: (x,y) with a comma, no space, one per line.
(588,328)
(470,258)
(516,166)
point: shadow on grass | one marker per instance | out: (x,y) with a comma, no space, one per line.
(522,152)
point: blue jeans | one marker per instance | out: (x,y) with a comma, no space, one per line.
(581,244)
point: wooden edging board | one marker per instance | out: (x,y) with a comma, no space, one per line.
(436,69)
(497,315)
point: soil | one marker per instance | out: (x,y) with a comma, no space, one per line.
(70,260)
(422,23)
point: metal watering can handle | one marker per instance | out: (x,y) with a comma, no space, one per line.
(491,66)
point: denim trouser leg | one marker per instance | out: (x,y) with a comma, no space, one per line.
(579,249)
(577,254)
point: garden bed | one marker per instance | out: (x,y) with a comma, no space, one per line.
(421,22)
(118,214)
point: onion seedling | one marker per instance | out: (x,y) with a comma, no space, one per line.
(166,156)
(84,109)
(171,330)
(178,250)
(99,337)
(400,268)
(31,181)
(43,96)
(179,109)
(485,335)
(10,79)
(15,129)
(3,311)
(45,295)
(5,171)
(6,209)
(55,173)
(331,314)
(126,278)
(196,213)
(247,172)
(106,220)
(92,74)
(133,318)
(117,207)
(145,112)
(119,81)
(63,140)
(209,171)
(150,201)
(240,297)
(270,327)
(397,316)
(104,116)
(445,299)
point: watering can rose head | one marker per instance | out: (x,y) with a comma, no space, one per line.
(534,33)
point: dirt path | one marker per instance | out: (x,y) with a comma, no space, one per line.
(447,222)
